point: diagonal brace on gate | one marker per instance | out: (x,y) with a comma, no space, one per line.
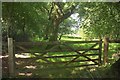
(46,51)
(33,53)
(81,54)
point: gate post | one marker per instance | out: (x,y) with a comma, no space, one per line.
(11,58)
(100,51)
(105,54)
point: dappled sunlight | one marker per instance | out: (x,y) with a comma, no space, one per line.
(57,64)
(30,67)
(40,60)
(60,40)
(6,56)
(64,39)
(17,63)
(22,74)
(25,74)
(22,56)
(28,74)
(92,69)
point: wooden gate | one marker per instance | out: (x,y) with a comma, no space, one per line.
(52,54)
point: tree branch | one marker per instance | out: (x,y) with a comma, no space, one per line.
(59,7)
(69,12)
(50,12)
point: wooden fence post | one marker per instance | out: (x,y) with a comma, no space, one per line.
(11,58)
(100,51)
(105,54)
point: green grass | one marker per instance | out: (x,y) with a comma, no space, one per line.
(82,72)
(65,38)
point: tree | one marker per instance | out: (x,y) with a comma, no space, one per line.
(100,19)
(35,19)
(57,13)
(22,21)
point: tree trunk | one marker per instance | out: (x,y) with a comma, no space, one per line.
(54,33)
(56,16)
(47,32)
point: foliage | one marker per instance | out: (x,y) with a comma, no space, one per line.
(23,21)
(48,21)
(66,27)
(100,19)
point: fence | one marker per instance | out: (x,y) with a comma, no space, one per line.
(22,47)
